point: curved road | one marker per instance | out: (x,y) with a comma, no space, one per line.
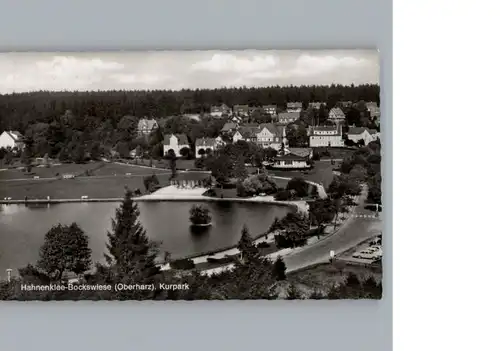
(353,232)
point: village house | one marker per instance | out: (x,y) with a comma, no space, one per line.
(229,128)
(291,161)
(316,105)
(146,126)
(236,119)
(264,135)
(294,107)
(346,104)
(270,109)
(241,110)
(205,146)
(360,133)
(11,139)
(336,115)
(175,142)
(288,117)
(219,110)
(326,136)
(373,108)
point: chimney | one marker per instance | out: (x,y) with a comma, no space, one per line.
(9,273)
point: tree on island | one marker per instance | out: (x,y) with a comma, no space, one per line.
(65,249)
(199,215)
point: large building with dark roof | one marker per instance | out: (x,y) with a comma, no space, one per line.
(326,136)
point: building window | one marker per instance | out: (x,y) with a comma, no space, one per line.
(288,162)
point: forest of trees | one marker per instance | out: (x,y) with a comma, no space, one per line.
(19,109)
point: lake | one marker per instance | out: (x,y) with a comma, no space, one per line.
(22,228)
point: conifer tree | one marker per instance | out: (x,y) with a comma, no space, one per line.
(247,249)
(131,253)
(279,269)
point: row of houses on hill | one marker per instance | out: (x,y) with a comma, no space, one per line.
(291,114)
(221,110)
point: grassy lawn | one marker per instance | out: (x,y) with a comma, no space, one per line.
(97,169)
(109,187)
(321,173)
(108,180)
(181,164)
(43,172)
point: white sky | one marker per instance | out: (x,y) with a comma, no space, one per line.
(20,72)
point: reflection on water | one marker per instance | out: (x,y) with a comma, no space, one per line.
(22,227)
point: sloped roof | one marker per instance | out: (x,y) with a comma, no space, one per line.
(147,123)
(205,142)
(269,106)
(324,128)
(356,130)
(240,107)
(316,104)
(337,112)
(372,131)
(294,104)
(14,134)
(216,108)
(300,151)
(277,130)
(291,157)
(251,130)
(289,115)
(228,126)
(182,139)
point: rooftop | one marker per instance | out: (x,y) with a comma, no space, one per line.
(182,139)
(14,134)
(356,130)
(205,142)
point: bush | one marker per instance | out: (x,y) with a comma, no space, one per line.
(256,184)
(210,193)
(182,264)
(263,245)
(284,195)
(222,260)
(300,186)
(283,243)
(199,163)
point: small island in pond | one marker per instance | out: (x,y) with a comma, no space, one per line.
(200,216)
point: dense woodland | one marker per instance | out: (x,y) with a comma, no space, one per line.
(18,110)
